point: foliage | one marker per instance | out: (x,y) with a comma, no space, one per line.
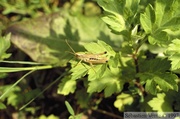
(29,7)
(4,45)
(142,72)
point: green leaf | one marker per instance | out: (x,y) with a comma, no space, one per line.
(13,95)
(147,19)
(164,17)
(122,100)
(79,70)
(113,14)
(151,87)
(96,71)
(116,23)
(173,52)
(154,65)
(161,103)
(15,99)
(109,82)
(99,47)
(66,86)
(112,6)
(119,15)
(2,106)
(168,81)
(131,9)
(70,109)
(4,45)
(165,81)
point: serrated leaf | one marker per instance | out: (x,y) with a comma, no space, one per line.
(114,14)
(116,23)
(165,81)
(160,103)
(175,61)
(164,17)
(66,86)
(109,82)
(119,15)
(79,70)
(99,47)
(106,46)
(151,87)
(15,99)
(174,54)
(96,71)
(114,61)
(112,6)
(147,19)
(4,45)
(131,9)
(154,65)
(114,86)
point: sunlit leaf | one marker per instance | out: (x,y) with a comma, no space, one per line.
(161,103)
(174,54)
(4,45)
(122,100)
(67,86)
(109,82)
(156,21)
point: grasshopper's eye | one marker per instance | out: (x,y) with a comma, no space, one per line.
(105,52)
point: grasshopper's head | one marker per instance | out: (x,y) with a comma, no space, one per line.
(80,55)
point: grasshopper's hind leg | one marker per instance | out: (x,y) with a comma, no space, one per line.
(92,67)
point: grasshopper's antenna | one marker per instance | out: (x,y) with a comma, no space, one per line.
(70,47)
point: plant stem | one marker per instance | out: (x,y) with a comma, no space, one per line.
(108,113)
(135,58)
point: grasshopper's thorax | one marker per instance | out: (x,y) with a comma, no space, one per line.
(80,55)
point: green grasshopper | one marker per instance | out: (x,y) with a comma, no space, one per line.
(89,57)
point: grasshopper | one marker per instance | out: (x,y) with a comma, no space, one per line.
(89,57)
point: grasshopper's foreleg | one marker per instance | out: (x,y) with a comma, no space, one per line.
(81,63)
(78,63)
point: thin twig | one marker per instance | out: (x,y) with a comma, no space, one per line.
(108,113)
